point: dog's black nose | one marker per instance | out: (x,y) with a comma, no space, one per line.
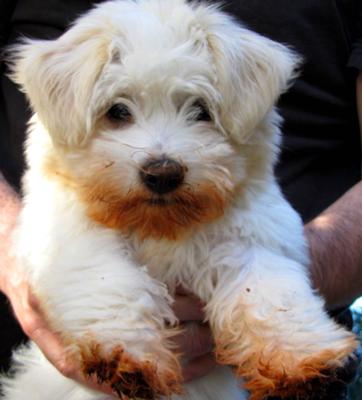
(162,175)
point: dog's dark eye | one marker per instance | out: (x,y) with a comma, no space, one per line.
(119,112)
(202,113)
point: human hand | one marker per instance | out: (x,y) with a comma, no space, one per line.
(195,342)
(25,306)
(33,322)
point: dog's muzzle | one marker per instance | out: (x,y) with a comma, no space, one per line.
(162,175)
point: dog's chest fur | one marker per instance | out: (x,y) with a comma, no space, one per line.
(178,262)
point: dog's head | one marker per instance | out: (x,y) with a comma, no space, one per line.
(160,111)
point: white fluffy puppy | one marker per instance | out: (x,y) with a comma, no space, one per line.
(150,164)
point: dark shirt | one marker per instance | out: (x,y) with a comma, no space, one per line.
(44,19)
(320,157)
(321,146)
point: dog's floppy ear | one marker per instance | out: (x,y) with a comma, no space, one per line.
(58,77)
(252,72)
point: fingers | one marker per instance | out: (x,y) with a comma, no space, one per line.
(28,311)
(188,308)
(199,367)
(196,345)
(54,349)
(195,340)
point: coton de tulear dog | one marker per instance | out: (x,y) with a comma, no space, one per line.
(150,164)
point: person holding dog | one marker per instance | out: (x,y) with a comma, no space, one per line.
(319,172)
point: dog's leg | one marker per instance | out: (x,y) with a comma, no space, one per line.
(271,327)
(112,315)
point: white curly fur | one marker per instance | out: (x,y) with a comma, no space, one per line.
(112,285)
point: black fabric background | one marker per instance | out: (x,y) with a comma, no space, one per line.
(321,145)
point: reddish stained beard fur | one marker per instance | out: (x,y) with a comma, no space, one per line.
(169,217)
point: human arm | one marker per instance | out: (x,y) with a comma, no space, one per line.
(335,242)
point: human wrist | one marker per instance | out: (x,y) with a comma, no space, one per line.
(314,239)
(334,247)
(10,205)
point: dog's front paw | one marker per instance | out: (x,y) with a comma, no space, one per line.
(130,377)
(271,371)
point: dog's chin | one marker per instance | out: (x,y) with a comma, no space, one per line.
(160,201)
(171,216)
